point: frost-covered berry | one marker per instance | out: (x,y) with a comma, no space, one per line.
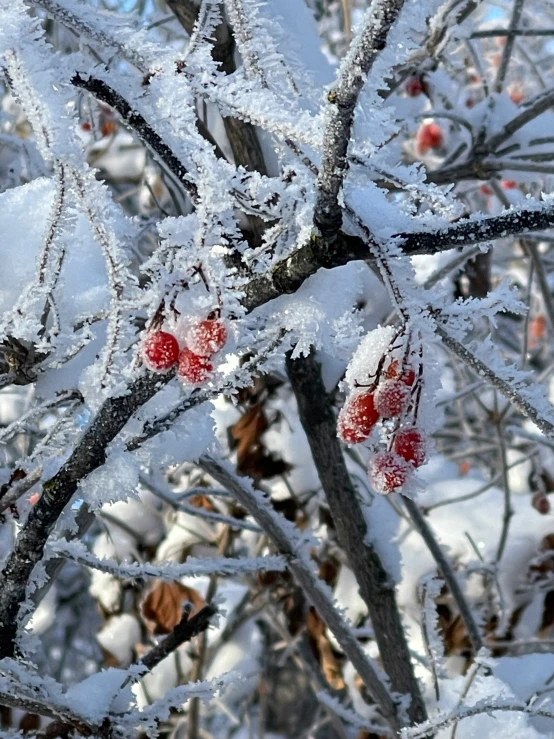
(388,472)
(392,398)
(192,368)
(160,351)
(357,417)
(207,337)
(393,372)
(429,136)
(410,445)
(414,86)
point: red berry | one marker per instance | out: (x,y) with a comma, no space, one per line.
(86,126)
(508,184)
(357,417)
(540,503)
(392,398)
(414,86)
(486,190)
(410,445)
(207,337)
(393,370)
(160,350)
(193,369)
(388,472)
(429,136)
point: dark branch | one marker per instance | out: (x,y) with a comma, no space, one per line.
(147,135)
(376,587)
(343,98)
(186,629)
(318,253)
(89,454)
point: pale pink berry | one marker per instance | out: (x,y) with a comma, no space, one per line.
(392,398)
(206,337)
(388,472)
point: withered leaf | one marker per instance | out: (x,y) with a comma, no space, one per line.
(162,607)
(324,651)
(248,430)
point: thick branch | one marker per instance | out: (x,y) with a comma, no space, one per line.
(376,587)
(287,276)
(89,454)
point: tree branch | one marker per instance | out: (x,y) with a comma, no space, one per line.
(376,587)
(288,543)
(446,571)
(186,629)
(343,98)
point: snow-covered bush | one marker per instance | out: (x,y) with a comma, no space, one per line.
(276,321)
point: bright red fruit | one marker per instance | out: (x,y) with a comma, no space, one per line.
(388,472)
(207,337)
(486,190)
(192,368)
(392,398)
(414,86)
(508,184)
(429,136)
(410,445)
(160,350)
(357,417)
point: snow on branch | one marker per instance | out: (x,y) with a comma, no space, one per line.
(490,707)
(293,546)
(168,571)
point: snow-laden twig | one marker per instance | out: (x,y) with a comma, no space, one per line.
(486,706)
(168,571)
(517,394)
(342,98)
(446,571)
(291,544)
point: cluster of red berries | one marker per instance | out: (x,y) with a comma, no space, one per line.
(161,350)
(389,469)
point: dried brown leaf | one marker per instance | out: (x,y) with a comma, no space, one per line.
(162,607)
